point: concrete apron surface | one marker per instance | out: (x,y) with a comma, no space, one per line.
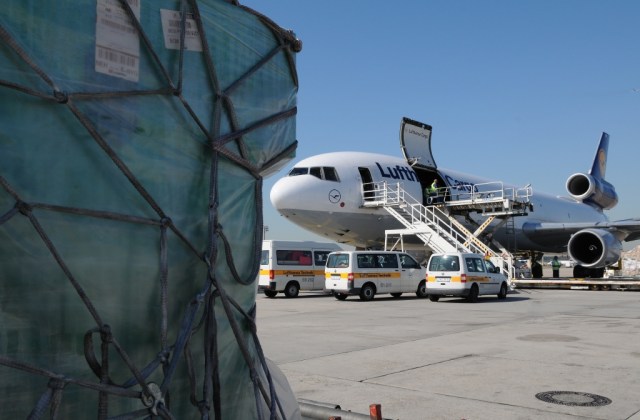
(543,354)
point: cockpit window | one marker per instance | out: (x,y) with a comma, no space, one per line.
(327,173)
(330,174)
(298,171)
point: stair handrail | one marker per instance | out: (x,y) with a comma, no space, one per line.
(432,216)
(460,238)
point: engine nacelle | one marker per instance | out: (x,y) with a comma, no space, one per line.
(594,248)
(591,190)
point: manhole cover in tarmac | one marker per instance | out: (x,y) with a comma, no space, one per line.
(581,399)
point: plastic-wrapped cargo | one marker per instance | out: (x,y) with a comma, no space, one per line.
(133,141)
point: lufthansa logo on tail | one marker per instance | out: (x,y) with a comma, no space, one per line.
(602,161)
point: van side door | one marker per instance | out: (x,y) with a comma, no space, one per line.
(495,277)
(477,273)
(411,272)
(388,275)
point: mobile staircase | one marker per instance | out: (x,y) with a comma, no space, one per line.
(435,225)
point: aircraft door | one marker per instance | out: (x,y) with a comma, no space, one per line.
(367,184)
(415,142)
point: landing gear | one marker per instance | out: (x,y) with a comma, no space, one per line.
(536,266)
(536,270)
(581,272)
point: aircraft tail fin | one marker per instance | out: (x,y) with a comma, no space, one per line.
(592,188)
(599,166)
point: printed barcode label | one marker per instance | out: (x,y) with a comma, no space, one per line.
(117,40)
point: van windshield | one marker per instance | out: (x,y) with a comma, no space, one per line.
(444,263)
(264,257)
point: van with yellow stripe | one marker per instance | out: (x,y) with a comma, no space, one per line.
(291,266)
(464,274)
(367,273)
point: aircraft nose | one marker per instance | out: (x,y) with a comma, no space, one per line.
(286,194)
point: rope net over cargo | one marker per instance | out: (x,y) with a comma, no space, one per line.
(133,141)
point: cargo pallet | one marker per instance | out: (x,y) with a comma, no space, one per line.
(617,283)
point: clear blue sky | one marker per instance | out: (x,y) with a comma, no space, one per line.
(518,91)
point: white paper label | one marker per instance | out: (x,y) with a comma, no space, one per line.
(117,40)
(171,29)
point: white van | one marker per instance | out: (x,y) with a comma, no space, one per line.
(291,266)
(366,273)
(462,274)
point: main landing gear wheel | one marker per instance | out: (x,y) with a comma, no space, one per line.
(581,272)
(536,270)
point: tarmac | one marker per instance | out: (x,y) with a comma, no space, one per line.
(539,354)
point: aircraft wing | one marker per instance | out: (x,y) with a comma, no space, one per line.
(627,229)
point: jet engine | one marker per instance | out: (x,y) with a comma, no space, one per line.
(594,248)
(591,190)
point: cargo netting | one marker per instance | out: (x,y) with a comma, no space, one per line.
(134,137)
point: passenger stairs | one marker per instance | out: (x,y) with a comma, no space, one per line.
(435,223)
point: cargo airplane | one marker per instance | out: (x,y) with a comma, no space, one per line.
(326,193)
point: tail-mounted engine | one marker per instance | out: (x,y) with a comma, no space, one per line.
(591,190)
(594,248)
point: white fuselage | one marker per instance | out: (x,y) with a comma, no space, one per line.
(334,208)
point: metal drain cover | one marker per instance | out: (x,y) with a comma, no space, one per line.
(580,399)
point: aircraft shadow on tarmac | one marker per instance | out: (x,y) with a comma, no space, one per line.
(449,299)
(487,299)
(388,298)
(306,295)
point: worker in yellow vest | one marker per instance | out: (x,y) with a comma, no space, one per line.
(432,192)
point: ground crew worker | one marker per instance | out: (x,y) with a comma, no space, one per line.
(555,266)
(434,187)
(432,192)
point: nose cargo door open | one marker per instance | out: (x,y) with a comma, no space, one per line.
(415,142)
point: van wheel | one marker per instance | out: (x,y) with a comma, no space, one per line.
(292,289)
(367,292)
(340,296)
(473,293)
(396,295)
(422,290)
(434,298)
(270,293)
(503,291)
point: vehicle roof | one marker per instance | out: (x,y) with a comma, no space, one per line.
(370,251)
(310,244)
(463,254)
